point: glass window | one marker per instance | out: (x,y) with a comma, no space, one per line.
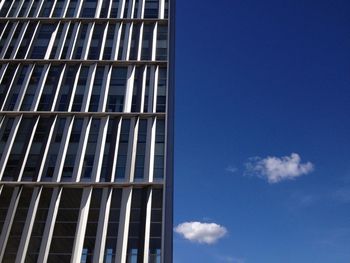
(56,42)
(65,226)
(68,39)
(5,8)
(162,43)
(5,199)
(5,131)
(58,8)
(32,166)
(6,82)
(121,42)
(3,40)
(80,41)
(89,8)
(96,89)
(111,32)
(66,88)
(18,225)
(33,9)
(71,8)
(107,162)
(46,8)
(134,45)
(72,150)
(23,47)
(158,172)
(80,89)
(91,226)
(18,149)
(122,150)
(137,225)
(161,90)
(41,41)
(13,41)
(146,51)
(151,8)
(104,8)
(96,41)
(16,87)
(137,90)
(32,87)
(156,226)
(140,150)
(91,149)
(39,225)
(24,8)
(55,143)
(147,91)
(50,88)
(112,228)
(116,92)
(114,9)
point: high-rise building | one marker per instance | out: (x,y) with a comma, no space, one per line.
(86,130)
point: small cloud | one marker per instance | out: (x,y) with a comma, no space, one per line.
(276,169)
(231,169)
(230,259)
(203,233)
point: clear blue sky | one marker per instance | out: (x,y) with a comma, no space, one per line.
(263,78)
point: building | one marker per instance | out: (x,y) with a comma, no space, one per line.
(86,130)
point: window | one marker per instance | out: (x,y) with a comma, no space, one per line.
(162,33)
(91,226)
(39,225)
(140,150)
(115,99)
(18,149)
(151,8)
(65,226)
(122,150)
(32,87)
(90,149)
(96,41)
(112,228)
(97,87)
(161,90)
(146,51)
(41,41)
(50,88)
(80,90)
(18,225)
(72,150)
(32,166)
(158,170)
(65,91)
(88,9)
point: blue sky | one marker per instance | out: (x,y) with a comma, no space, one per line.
(256,82)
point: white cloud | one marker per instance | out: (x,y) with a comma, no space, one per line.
(204,233)
(276,169)
(230,259)
(231,169)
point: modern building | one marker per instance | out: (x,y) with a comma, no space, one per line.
(86,130)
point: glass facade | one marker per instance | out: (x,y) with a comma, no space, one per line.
(85,100)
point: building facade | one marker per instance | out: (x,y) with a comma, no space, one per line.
(86,130)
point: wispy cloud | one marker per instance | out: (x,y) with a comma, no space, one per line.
(276,169)
(231,169)
(230,259)
(203,233)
